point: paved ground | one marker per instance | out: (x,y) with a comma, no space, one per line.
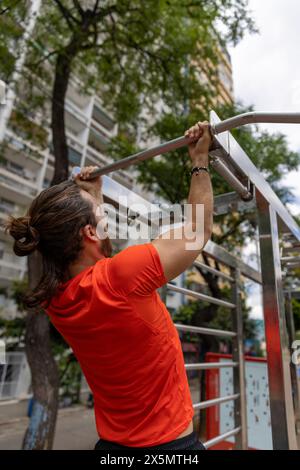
(75,430)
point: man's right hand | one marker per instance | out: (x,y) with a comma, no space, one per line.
(199,149)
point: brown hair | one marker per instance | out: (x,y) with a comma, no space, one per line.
(52,226)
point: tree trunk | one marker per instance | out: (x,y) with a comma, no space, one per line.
(45,381)
(60,147)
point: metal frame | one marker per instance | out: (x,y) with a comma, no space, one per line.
(282,413)
(197,295)
(273,218)
(222,437)
(239,378)
(232,163)
(236,267)
(289,295)
(229,202)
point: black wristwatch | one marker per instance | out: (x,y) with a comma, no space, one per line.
(196,170)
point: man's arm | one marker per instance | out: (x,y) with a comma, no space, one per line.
(174,255)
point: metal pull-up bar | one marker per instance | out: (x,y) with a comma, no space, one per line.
(255,118)
(227,125)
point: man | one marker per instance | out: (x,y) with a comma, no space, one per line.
(109,312)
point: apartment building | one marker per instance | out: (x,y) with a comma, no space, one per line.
(225,90)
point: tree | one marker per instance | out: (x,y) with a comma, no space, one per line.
(134,54)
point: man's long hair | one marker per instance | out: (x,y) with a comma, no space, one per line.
(52,226)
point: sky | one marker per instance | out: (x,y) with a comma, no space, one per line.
(266,69)
(266,73)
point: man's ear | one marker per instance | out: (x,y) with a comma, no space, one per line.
(90,232)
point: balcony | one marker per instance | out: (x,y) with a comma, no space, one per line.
(98,140)
(101,117)
(19,170)
(81,100)
(74,157)
(94,157)
(28,127)
(101,129)
(75,151)
(15,188)
(76,120)
(10,272)
(18,150)
(8,208)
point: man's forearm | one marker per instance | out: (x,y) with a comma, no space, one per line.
(201,193)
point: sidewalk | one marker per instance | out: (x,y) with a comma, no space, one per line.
(75,430)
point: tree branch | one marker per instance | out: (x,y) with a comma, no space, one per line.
(113,37)
(79,8)
(231,231)
(44,58)
(96,7)
(9,7)
(106,11)
(66,14)
(210,279)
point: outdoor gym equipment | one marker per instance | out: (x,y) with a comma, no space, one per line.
(276,226)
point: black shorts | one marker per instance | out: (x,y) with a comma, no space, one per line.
(189,442)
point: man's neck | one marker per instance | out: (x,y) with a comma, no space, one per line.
(82,264)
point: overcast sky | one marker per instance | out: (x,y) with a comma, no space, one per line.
(266,68)
(266,72)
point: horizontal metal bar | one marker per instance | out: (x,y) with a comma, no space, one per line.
(295,294)
(231,179)
(291,259)
(292,249)
(220,254)
(292,265)
(253,117)
(145,155)
(197,295)
(221,438)
(210,365)
(214,271)
(205,331)
(229,202)
(216,401)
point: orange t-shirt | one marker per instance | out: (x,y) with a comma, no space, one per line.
(128,347)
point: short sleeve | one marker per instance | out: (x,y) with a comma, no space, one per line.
(137,269)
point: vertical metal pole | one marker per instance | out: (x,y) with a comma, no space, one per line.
(3,376)
(239,382)
(294,375)
(278,354)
